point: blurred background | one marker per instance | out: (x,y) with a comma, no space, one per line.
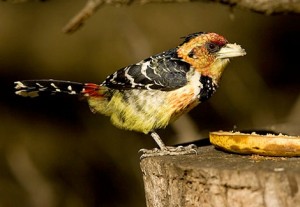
(55,152)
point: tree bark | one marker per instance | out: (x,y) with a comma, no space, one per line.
(261,6)
(214,179)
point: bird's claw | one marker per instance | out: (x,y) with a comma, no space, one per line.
(179,150)
(147,151)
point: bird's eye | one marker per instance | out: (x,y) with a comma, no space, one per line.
(212,47)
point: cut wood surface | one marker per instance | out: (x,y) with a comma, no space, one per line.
(215,178)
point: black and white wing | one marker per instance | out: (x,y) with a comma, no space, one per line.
(164,71)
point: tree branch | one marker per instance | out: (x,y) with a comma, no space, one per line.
(78,20)
(262,6)
(265,6)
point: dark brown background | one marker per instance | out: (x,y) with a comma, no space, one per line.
(54,152)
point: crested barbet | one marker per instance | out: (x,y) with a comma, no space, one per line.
(154,92)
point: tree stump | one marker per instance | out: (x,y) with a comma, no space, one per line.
(214,178)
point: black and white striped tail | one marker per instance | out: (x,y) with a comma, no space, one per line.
(34,88)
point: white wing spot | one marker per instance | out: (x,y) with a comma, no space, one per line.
(144,69)
(130,78)
(72,92)
(148,87)
(140,63)
(39,85)
(158,83)
(19,85)
(114,77)
(53,85)
(70,88)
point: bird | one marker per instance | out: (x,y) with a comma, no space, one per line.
(151,94)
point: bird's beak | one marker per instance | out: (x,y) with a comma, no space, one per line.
(230,50)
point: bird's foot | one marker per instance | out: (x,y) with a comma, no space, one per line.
(180,150)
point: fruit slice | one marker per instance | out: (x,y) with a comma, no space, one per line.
(268,145)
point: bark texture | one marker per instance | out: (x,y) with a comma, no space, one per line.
(214,179)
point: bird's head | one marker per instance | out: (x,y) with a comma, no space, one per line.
(208,53)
